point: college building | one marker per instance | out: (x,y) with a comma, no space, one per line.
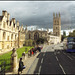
(11,33)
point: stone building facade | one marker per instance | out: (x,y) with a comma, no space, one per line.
(35,34)
(10,32)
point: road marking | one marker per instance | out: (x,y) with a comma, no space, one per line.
(56,58)
(42,60)
(60,64)
(72,56)
(39,69)
(62,68)
(68,56)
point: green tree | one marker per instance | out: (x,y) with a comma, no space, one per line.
(40,40)
(64,35)
(72,34)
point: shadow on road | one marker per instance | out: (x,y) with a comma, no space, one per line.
(47,64)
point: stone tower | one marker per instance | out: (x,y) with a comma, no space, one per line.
(57,25)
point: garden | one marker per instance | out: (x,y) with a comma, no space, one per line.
(7,56)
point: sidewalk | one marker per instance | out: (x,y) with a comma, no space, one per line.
(28,62)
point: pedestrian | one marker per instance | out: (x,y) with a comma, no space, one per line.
(29,53)
(23,54)
(38,48)
(32,51)
(21,66)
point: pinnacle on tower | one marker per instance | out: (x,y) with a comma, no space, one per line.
(17,23)
(26,27)
(56,15)
(59,14)
(53,14)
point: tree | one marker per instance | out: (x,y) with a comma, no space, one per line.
(64,35)
(72,34)
(40,40)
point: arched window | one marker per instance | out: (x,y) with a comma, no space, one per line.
(56,27)
(29,36)
(56,33)
(15,37)
(58,22)
(12,36)
(4,35)
(8,38)
(36,36)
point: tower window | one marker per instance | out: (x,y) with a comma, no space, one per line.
(8,38)
(56,27)
(29,36)
(4,35)
(56,33)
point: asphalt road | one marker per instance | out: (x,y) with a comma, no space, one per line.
(53,60)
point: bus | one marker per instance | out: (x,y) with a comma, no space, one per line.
(70,44)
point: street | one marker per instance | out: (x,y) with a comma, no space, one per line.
(53,60)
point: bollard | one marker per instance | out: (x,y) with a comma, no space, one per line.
(14,61)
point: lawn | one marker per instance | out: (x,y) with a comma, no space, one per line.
(6,57)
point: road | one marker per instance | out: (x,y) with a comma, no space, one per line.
(53,60)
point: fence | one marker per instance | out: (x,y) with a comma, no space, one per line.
(5,65)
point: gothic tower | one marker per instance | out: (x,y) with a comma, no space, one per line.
(57,25)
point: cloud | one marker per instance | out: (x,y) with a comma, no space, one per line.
(40,13)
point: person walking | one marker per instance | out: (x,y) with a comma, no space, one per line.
(38,48)
(23,54)
(21,66)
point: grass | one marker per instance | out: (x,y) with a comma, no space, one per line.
(7,56)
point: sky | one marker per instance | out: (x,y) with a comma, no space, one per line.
(40,13)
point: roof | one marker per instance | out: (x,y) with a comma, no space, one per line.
(37,31)
(1,17)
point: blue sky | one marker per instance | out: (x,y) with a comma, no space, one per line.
(40,13)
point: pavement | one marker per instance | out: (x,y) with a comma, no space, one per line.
(28,62)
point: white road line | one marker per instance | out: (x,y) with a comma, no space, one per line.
(62,68)
(68,56)
(39,69)
(42,60)
(60,65)
(56,58)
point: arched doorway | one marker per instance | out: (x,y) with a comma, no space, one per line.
(36,36)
